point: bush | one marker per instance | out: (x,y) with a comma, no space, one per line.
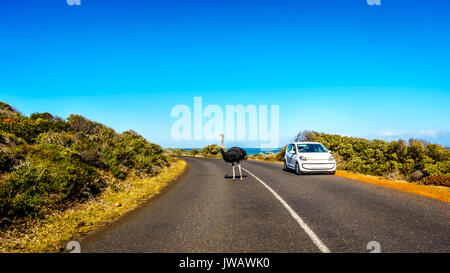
(259,156)
(62,139)
(94,158)
(270,156)
(6,162)
(79,124)
(195,152)
(49,180)
(30,129)
(179,152)
(416,176)
(377,157)
(50,163)
(7,107)
(280,155)
(437,180)
(211,150)
(46,116)
(131,151)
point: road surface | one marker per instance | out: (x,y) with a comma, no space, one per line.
(276,211)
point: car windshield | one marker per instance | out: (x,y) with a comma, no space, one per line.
(311,148)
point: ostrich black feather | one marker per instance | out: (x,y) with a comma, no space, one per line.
(234,155)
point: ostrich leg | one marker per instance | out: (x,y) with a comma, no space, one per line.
(233,174)
(240,172)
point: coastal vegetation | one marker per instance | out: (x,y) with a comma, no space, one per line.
(49,164)
(212,150)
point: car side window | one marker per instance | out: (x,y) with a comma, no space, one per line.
(289,148)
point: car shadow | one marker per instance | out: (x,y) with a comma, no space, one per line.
(314,173)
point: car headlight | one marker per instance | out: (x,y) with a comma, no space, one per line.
(331,158)
(303,158)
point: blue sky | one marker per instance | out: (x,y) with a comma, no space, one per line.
(334,66)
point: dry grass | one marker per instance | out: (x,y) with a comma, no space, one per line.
(51,234)
(437,192)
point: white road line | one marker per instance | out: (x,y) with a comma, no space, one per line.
(294,215)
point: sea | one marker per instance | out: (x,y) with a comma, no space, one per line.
(250,151)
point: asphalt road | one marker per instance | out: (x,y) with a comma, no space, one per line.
(205,212)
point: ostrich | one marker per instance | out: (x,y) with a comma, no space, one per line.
(234,155)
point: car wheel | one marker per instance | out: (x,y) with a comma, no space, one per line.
(297,169)
(333,173)
(285,168)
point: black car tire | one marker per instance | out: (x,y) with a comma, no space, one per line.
(297,169)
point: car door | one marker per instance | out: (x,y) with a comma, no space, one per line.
(295,155)
(291,156)
(287,155)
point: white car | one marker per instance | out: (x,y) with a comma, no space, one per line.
(309,157)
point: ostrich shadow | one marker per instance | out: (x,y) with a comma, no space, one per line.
(237,176)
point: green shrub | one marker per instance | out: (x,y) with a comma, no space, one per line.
(116,170)
(79,124)
(182,152)
(62,139)
(280,155)
(395,159)
(211,150)
(9,139)
(259,156)
(50,179)
(94,158)
(57,162)
(30,129)
(195,152)
(179,152)
(5,106)
(46,116)
(132,151)
(6,162)
(416,176)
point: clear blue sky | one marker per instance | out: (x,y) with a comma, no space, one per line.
(338,66)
